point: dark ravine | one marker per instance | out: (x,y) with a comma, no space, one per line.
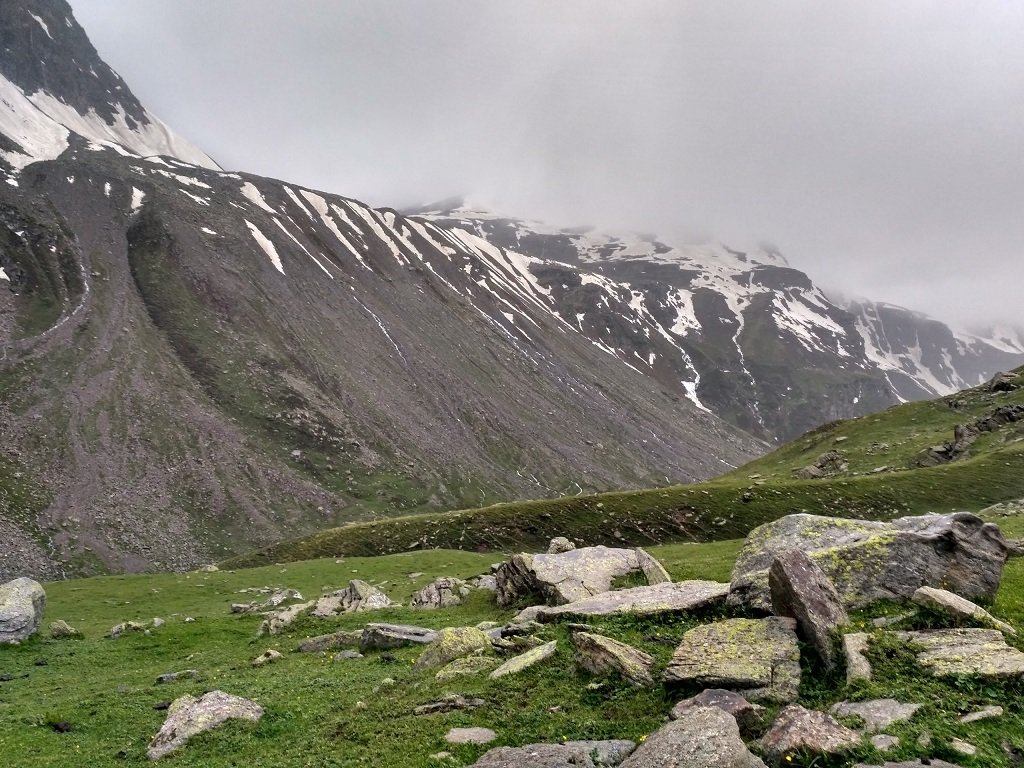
(196,363)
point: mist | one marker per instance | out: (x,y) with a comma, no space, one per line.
(879,145)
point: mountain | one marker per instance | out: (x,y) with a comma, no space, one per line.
(197,362)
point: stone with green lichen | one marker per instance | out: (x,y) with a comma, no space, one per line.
(471,665)
(959,608)
(706,738)
(665,598)
(563,577)
(871,561)
(600,655)
(759,658)
(189,716)
(965,652)
(525,660)
(453,643)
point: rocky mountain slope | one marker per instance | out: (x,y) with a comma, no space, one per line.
(196,362)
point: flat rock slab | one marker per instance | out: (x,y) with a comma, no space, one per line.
(656,599)
(470,736)
(985,713)
(189,716)
(959,608)
(759,658)
(571,754)
(799,588)
(706,738)
(563,577)
(855,646)
(974,652)
(878,714)
(870,561)
(600,655)
(386,636)
(22,602)
(797,729)
(749,717)
(525,660)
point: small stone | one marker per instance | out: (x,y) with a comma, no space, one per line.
(524,661)
(797,728)
(267,657)
(157,622)
(985,713)
(125,628)
(344,655)
(60,630)
(170,677)
(877,714)
(963,747)
(924,740)
(570,754)
(441,756)
(959,608)
(470,736)
(855,647)
(884,742)
(357,597)
(560,544)
(881,622)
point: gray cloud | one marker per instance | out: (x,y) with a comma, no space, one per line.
(880,145)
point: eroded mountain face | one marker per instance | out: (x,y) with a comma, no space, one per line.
(197,362)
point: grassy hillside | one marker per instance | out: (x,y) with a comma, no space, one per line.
(881,481)
(359,712)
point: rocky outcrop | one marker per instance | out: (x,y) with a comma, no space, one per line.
(665,598)
(563,577)
(356,597)
(22,602)
(828,464)
(872,561)
(801,590)
(805,730)
(706,738)
(958,608)
(601,655)
(189,716)
(443,592)
(279,621)
(759,658)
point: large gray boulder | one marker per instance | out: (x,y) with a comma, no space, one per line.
(641,601)
(870,561)
(356,597)
(571,754)
(189,716)
(759,658)
(706,738)
(22,603)
(563,577)
(801,590)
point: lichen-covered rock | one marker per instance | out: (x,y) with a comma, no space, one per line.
(384,637)
(665,598)
(600,655)
(855,646)
(972,652)
(959,608)
(801,590)
(797,729)
(560,544)
(441,593)
(571,754)
(278,621)
(877,714)
(759,658)
(357,596)
(525,660)
(22,602)
(749,717)
(189,716)
(126,627)
(267,657)
(870,561)
(453,643)
(60,630)
(565,576)
(470,665)
(322,643)
(652,568)
(470,736)
(706,738)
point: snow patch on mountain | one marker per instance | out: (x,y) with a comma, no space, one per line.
(266,245)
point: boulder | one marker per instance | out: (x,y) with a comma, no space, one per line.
(357,596)
(471,665)
(759,658)
(560,544)
(525,660)
(799,729)
(441,593)
(877,714)
(829,463)
(565,576)
(653,570)
(749,717)
(22,602)
(707,738)
(60,630)
(126,627)
(267,657)
(189,716)
(383,637)
(279,621)
(855,646)
(971,652)
(453,643)
(323,643)
(600,655)
(801,590)
(639,601)
(571,754)
(871,561)
(959,608)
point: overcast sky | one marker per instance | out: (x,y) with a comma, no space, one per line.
(880,145)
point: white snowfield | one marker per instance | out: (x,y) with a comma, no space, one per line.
(40,125)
